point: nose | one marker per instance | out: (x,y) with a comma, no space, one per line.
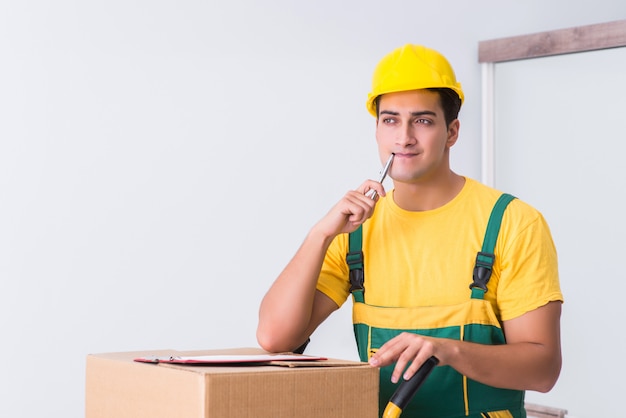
(406,137)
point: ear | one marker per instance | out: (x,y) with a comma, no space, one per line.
(453,132)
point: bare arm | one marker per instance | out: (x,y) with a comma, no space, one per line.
(292,308)
(530,360)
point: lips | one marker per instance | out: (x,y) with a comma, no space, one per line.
(405,155)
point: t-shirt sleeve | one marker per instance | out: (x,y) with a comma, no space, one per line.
(334,279)
(529,276)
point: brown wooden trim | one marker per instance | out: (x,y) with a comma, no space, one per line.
(563,41)
(540,411)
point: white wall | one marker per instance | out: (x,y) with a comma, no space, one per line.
(161,161)
(556,145)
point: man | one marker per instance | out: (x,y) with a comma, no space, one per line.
(487,305)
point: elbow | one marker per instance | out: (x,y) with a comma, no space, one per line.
(549,379)
(271,342)
(266,342)
(547,384)
(267,337)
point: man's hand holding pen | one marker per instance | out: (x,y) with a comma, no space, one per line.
(355,207)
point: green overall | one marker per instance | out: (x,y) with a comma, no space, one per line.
(445,393)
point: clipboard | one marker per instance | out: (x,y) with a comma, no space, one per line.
(231,359)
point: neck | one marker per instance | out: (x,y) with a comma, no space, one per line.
(428,195)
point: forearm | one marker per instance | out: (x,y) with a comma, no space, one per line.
(530,360)
(292,309)
(285,315)
(522,366)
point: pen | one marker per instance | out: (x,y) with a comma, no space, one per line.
(372,193)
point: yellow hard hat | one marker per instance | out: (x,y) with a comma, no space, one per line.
(411,67)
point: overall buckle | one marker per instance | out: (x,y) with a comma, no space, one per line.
(482,270)
(355,263)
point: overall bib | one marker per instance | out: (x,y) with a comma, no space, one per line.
(445,393)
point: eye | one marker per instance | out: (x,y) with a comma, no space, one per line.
(423,121)
(389,121)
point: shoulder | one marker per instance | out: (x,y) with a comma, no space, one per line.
(517,210)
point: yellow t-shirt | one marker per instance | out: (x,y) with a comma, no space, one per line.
(427,258)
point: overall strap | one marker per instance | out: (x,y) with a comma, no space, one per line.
(354,258)
(486,257)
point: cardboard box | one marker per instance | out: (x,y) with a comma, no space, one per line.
(118,387)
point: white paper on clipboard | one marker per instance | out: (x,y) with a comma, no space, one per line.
(222,359)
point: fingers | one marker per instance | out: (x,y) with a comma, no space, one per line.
(363,200)
(408,351)
(416,361)
(372,188)
(352,210)
(358,207)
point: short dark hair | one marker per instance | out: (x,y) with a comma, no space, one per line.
(450,103)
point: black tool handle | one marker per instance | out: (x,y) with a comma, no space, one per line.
(403,395)
(300,349)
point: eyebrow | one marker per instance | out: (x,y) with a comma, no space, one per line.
(419,113)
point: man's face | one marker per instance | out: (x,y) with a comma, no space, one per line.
(412,125)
